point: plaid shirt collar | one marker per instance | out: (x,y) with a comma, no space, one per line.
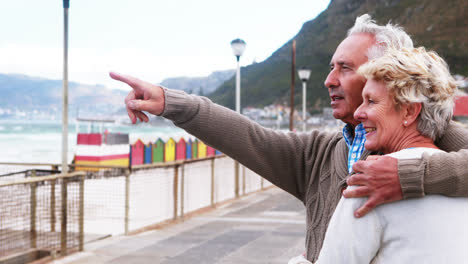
(355,145)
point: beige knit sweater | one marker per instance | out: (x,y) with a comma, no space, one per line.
(311,166)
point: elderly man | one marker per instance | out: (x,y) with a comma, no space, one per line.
(314,166)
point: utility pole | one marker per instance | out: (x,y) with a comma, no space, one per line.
(293,75)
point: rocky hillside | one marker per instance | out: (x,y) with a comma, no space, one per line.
(441,25)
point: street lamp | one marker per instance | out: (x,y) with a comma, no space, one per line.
(238,47)
(304,75)
(66,6)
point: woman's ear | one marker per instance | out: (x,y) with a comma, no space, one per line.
(411,113)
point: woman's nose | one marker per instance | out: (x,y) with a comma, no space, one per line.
(360,113)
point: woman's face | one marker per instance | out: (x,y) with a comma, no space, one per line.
(383,123)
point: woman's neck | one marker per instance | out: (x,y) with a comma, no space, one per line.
(414,139)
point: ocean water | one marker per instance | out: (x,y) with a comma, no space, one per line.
(41,141)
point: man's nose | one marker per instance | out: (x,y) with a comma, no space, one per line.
(332,80)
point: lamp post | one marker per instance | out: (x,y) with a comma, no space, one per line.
(66,5)
(304,75)
(238,47)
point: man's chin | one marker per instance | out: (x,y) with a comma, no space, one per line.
(337,114)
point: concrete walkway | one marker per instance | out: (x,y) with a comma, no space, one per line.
(265,227)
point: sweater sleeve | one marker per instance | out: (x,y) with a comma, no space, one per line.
(442,173)
(277,156)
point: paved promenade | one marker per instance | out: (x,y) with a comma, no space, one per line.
(265,227)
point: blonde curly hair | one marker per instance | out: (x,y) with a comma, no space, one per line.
(417,76)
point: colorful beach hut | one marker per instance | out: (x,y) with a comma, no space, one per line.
(169,150)
(101,149)
(195,149)
(181,149)
(158,151)
(149,153)
(188,153)
(210,151)
(138,152)
(201,149)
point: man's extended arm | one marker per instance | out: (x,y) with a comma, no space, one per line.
(285,159)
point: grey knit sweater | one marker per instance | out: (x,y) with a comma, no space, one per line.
(311,166)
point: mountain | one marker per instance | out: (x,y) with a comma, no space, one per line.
(31,96)
(28,94)
(441,25)
(199,85)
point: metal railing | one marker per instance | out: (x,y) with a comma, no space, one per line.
(62,212)
(44,212)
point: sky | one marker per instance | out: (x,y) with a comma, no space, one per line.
(149,39)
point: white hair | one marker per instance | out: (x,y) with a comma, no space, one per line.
(386,36)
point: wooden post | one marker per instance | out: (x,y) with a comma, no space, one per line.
(81,215)
(127,201)
(182,179)
(236,178)
(243,180)
(175,188)
(293,75)
(212,183)
(63,221)
(52,206)
(33,206)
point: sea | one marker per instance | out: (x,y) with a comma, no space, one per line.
(40,141)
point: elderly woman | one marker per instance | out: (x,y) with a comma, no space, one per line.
(407,104)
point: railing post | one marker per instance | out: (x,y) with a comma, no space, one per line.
(261,183)
(176,182)
(52,206)
(33,205)
(63,225)
(81,214)
(243,180)
(236,178)
(127,200)
(212,182)
(182,179)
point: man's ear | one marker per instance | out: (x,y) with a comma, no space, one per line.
(411,113)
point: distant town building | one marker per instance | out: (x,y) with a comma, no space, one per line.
(460,111)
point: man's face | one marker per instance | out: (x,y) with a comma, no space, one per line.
(343,83)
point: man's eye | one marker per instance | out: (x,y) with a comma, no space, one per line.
(371,101)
